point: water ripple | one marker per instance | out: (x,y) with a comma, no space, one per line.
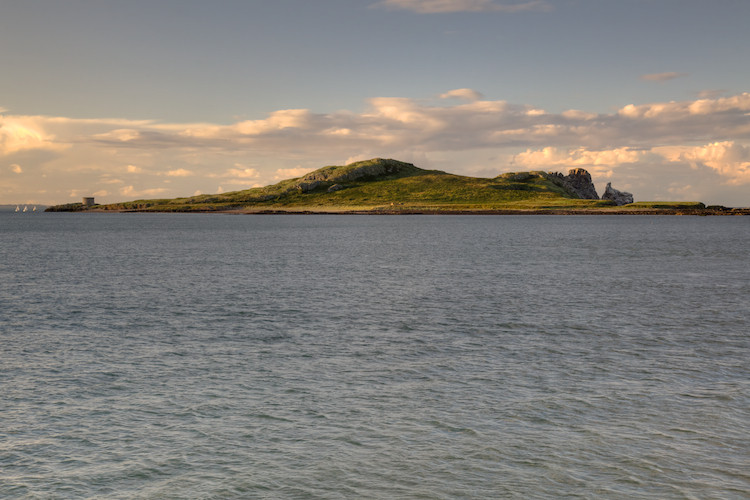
(344,357)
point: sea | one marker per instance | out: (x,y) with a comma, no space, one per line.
(212,356)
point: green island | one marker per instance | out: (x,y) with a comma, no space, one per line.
(386,186)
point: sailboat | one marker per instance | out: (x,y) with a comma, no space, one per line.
(34,209)
(17,209)
(25,208)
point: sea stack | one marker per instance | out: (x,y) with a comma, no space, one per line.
(619,197)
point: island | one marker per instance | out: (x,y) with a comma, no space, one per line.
(388,186)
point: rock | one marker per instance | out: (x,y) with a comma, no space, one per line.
(308,186)
(521,176)
(335,187)
(619,197)
(578,180)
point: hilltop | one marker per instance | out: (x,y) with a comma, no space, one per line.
(391,186)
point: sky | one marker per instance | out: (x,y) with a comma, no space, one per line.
(130,99)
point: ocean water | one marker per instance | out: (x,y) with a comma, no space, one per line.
(396,357)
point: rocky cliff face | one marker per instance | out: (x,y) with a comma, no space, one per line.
(578,180)
(619,197)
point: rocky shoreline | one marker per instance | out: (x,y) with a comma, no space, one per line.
(723,211)
(707,211)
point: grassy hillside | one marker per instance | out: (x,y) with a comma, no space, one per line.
(381,184)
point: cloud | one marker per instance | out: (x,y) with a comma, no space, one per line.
(278,120)
(683,113)
(710,93)
(709,137)
(395,123)
(579,157)
(466,94)
(242,173)
(179,172)
(16,168)
(24,133)
(293,173)
(447,6)
(130,191)
(237,174)
(662,77)
(729,159)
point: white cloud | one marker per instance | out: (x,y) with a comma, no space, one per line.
(16,168)
(278,120)
(579,157)
(684,109)
(130,191)
(467,94)
(293,173)
(393,123)
(179,172)
(663,77)
(20,133)
(238,174)
(729,159)
(707,136)
(446,6)
(242,171)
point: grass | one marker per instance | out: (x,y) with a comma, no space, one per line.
(666,204)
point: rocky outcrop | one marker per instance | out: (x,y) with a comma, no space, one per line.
(578,180)
(619,197)
(306,186)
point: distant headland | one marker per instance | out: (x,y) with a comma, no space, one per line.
(387,186)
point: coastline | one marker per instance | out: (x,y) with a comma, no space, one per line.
(723,211)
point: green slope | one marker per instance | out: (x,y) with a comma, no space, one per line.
(383,184)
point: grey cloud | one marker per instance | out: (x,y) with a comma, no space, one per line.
(449,6)
(663,77)
(405,123)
